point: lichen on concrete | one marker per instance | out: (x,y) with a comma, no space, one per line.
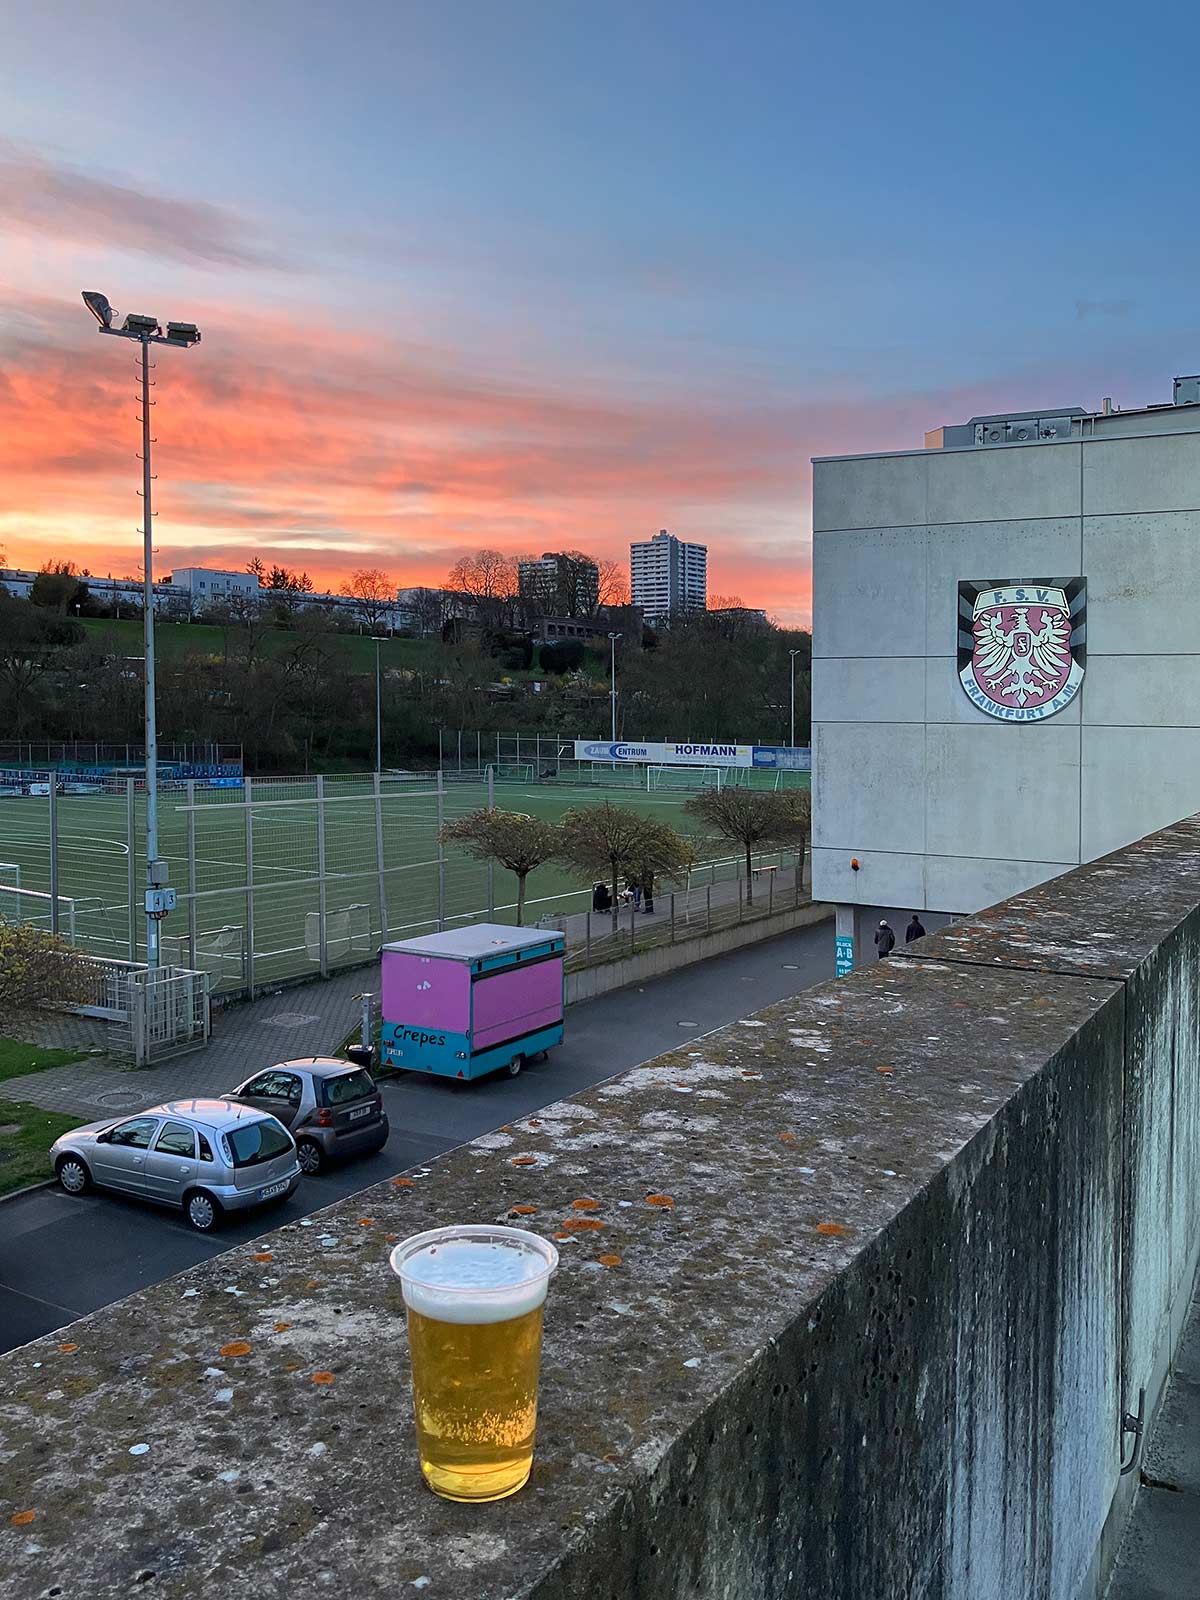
(684,1335)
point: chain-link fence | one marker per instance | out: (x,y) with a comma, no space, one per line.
(281,878)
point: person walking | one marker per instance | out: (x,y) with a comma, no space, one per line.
(648,894)
(885,940)
(915,929)
(601,899)
(635,890)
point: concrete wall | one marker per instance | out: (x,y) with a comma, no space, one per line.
(944,806)
(650,964)
(927,1232)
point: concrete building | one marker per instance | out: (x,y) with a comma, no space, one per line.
(169,598)
(561,584)
(929,792)
(207,586)
(668,575)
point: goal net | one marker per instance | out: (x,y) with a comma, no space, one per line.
(36,907)
(347,933)
(513,771)
(683,778)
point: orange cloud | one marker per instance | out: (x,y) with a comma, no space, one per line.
(328,449)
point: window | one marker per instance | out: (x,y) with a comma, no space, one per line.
(135,1135)
(346,1086)
(258,1085)
(176,1139)
(258,1142)
(205,1148)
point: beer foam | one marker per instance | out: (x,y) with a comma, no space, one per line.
(473,1280)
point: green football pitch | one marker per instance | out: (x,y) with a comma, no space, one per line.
(258,880)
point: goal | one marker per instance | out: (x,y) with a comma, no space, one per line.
(512,771)
(683,778)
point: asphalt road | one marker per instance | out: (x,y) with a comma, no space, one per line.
(61,1257)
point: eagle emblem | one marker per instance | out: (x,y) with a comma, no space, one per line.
(1021,646)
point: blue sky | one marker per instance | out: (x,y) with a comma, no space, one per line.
(584,272)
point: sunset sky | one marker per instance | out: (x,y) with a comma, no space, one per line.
(540,274)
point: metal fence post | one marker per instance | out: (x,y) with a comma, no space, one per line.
(491,866)
(131,864)
(53,851)
(191,864)
(588,940)
(632,929)
(739,899)
(672,916)
(770,893)
(322,907)
(441,855)
(379,861)
(708,899)
(247,787)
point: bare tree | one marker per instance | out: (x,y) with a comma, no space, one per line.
(612,841)
(518,842)
(490,579)
(612,588)
(374,591)
(753,817)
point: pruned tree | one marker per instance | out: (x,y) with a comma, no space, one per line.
(755,817)
(58,587)
(612,842)
(518,842)
(374,591)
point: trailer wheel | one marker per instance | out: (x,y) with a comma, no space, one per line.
(515,1065)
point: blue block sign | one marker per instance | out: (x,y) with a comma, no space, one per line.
(844,955)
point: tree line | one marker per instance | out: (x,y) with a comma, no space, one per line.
(297,701)
(611,842)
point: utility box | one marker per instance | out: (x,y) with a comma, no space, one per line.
(470,1001)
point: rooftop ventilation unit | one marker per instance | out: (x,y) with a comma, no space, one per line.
(1187,391)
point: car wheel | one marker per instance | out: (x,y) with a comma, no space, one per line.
(73,1175)
(310,1156)
(515,1065)
(202,1211)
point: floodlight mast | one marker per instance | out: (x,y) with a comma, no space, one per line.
(147,331)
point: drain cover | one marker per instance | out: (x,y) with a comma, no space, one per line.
(292,1019)
(118,1099)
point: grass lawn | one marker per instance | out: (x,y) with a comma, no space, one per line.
(27,1132)
(175,640)
(16,1058)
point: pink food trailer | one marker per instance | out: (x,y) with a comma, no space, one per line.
(472,1000)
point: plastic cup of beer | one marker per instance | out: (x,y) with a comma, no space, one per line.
(474,1297)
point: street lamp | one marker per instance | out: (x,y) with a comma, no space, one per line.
(378,638)
(794,654)
(612,645)
(147,331)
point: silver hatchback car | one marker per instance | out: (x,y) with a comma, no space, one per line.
(207,1156)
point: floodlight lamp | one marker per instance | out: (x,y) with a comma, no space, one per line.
(136,323)
(183,333)
(98,305)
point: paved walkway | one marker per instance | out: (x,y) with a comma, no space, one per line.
(306,1021)
(311,1019)
(1160,1554)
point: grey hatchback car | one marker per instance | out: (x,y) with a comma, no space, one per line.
(331,1107)
(207,1156)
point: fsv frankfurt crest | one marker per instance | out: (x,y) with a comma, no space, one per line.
(1022,646)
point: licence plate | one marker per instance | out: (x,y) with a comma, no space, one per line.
(272,1188)
(363,1111)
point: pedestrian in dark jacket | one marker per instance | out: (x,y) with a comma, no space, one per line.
(648,894)
(915,929)
(601,899)
(885,940)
